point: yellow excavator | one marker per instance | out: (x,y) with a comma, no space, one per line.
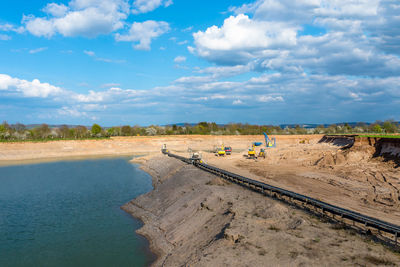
(251,153)
(221,151)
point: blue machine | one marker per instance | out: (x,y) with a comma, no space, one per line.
(269,142)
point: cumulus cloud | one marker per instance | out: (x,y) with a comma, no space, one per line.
(80,18)
(359,38)
(28,89)
(269,93)
(144,6)
(56,10)
(237,39)
(180,59)
(143,33)
(88,18)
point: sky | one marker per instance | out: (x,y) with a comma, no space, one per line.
(129,62)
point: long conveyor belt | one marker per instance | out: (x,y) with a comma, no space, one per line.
(354,219)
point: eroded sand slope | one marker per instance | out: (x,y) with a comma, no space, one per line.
(194,218)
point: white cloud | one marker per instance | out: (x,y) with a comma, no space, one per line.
(11,28)
(39,26)
(357,37)
(237,102)
(89,53)
(180,59)
(56,10)
(71,112)
(240,36)
(37,50)
(88,18)
(91,97)
(144,6)
(188,29)
(28,89)
(268,98)
(144,33)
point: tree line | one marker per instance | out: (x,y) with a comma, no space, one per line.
(20,132)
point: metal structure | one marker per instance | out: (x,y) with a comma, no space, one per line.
(384,231)
(269,142)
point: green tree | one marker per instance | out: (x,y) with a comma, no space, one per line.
(96,129)
(19,127)
(320,129)
(389,127)
(376,128)
(41,132)
(63,131)
(126,130)
(2,128)
(81,131)
(347,128)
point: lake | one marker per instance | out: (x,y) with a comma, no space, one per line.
(68,214)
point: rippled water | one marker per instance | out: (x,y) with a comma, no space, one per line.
(68,214)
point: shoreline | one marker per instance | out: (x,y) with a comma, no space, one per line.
(192,218)
(13,162)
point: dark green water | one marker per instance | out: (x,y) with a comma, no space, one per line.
(68,214)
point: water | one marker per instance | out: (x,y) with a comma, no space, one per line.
(68,214)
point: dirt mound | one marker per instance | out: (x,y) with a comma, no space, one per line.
(350,156)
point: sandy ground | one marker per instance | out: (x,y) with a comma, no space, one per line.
(347,178)
(17,152)
(193,218)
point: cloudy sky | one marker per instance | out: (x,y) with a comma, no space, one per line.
(165,61)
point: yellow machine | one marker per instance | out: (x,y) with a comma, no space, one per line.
(252,152)
(164,149)
(221,151)
(262,153)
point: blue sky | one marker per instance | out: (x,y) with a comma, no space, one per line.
(148,62)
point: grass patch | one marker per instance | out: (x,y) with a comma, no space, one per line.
(380,135)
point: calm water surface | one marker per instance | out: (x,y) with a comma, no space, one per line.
(68,214)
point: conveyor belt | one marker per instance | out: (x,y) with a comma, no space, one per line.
(318,206)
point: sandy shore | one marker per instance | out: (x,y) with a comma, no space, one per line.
(193,218)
